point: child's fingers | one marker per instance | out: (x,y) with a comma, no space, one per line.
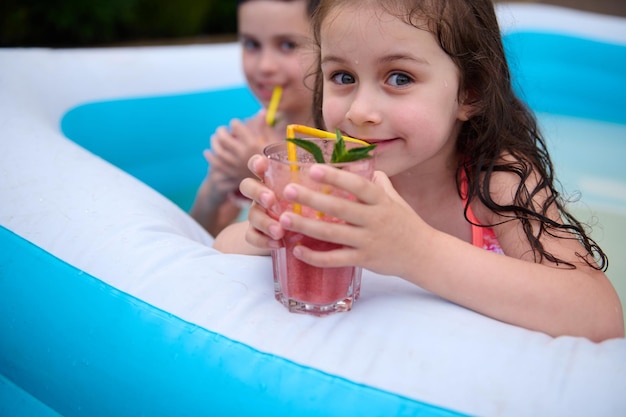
(225,150)
(326,259)
(263,223)
(342,234)
(257,191)
(207,155)
(259,240)
(257,164)
(331,205)
(244,134)
(223,165)
(362,188)
(215,163)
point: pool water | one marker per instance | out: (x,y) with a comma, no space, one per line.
(567,75)
(587,156)
(159,140)
(576,86)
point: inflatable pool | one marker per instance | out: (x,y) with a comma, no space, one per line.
(113,303)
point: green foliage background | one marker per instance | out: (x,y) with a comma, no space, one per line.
(70,23)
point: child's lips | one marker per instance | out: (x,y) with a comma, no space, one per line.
(264,95)
(382,145)
(374,141)
(265,91)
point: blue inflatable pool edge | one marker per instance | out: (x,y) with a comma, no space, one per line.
(119,356)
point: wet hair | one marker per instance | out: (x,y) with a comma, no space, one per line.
(501,124)
(311,5)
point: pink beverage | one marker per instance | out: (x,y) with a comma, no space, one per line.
(301,287)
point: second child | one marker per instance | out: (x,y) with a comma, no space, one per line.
(276,41)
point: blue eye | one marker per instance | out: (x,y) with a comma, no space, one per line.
(343,78)
(399,79)
(288,46)
(250,45)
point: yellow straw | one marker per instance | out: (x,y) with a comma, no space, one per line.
(270,117)
(312,132)
(317,133)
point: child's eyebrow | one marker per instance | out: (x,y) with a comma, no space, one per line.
(295,37)
(281,37)
(332,59)
(383,60)
(401,57)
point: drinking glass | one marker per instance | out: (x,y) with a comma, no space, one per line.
(301,287)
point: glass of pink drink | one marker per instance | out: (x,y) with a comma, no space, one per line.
(301,287)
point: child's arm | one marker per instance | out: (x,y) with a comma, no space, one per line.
(385,235)
(227,159)
(212,208)
(555,300)
(261,233)
(233,240)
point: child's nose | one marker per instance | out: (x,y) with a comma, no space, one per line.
(268,61)
(364,108)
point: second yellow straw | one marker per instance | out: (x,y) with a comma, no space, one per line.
(270,117)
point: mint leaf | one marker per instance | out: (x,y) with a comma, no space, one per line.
(355,154)
(310,147)
(340,153)
(339,149)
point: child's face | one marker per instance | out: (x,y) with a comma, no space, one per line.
(276,41)
(390,83)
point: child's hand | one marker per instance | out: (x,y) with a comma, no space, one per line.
(229,154)
(379,227)
(263,232)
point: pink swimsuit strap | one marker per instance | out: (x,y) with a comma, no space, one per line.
(482,237)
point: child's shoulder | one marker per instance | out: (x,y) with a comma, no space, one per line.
(506,184)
